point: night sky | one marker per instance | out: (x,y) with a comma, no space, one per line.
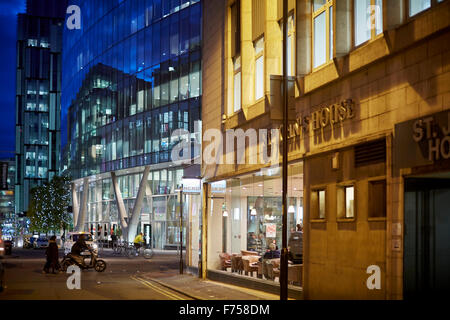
(8,25)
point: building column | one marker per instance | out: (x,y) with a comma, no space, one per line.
(247,56)
(304,38)
(134,220)
(343,22)
(75,204)
(273,48)
(120,206)
(81,218)
(204,252)
(99,202)
(394,13)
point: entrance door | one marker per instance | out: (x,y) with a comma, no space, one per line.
(159,235)
(426,269)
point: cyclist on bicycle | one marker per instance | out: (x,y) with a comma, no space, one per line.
(138,241)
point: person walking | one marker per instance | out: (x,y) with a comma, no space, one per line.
(52,256)
(113,240)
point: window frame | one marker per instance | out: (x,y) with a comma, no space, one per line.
(258,56)
(407,3)
(328,55)
(292,41)
(373,31)
(341,201)
(315,203)
(234,49)
(237,71)
(375,180)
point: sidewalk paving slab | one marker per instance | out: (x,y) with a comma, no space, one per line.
(199,289)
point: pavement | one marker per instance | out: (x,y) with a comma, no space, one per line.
(124,279)
(24,279)
(199,289)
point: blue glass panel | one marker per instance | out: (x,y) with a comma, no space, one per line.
(165,42)
(133,53)
(166,7)
(184,31)
(195,26)
(156,44)
(157,9)
(148,47)
(174,36)
(148,12)
(141,51)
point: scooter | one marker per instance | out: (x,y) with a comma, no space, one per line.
(98,264)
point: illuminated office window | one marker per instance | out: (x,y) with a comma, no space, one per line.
(323,32)
(259,68)
(291,46)
(346,202)
(368,19)
(416,6)
(237,85)
(318,204)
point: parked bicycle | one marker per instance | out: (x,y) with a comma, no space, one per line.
(121,248)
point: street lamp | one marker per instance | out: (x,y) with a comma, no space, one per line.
(284,252)
(181,229)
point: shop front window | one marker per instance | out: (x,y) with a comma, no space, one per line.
(245,222)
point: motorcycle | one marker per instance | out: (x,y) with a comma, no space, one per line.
(98,264)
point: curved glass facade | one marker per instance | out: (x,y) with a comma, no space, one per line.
(131,76)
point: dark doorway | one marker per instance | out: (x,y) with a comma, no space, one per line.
(426,266)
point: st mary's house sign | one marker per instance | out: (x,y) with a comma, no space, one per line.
(422,141)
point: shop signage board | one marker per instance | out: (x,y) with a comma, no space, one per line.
(191,185)
(3,176)
(219,186)
(422,141)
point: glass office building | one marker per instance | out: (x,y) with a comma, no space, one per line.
(132,76)
(38,96)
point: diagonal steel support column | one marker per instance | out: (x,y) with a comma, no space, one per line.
(75,204)
(83,208)
(120,206)
(134,220)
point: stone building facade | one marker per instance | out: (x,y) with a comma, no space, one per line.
(368,147)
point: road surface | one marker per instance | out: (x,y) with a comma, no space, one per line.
(122,279)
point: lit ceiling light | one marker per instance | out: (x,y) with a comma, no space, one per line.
(225,213)
(291,209)
(253,212)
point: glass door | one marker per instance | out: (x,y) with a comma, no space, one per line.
(159,235)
